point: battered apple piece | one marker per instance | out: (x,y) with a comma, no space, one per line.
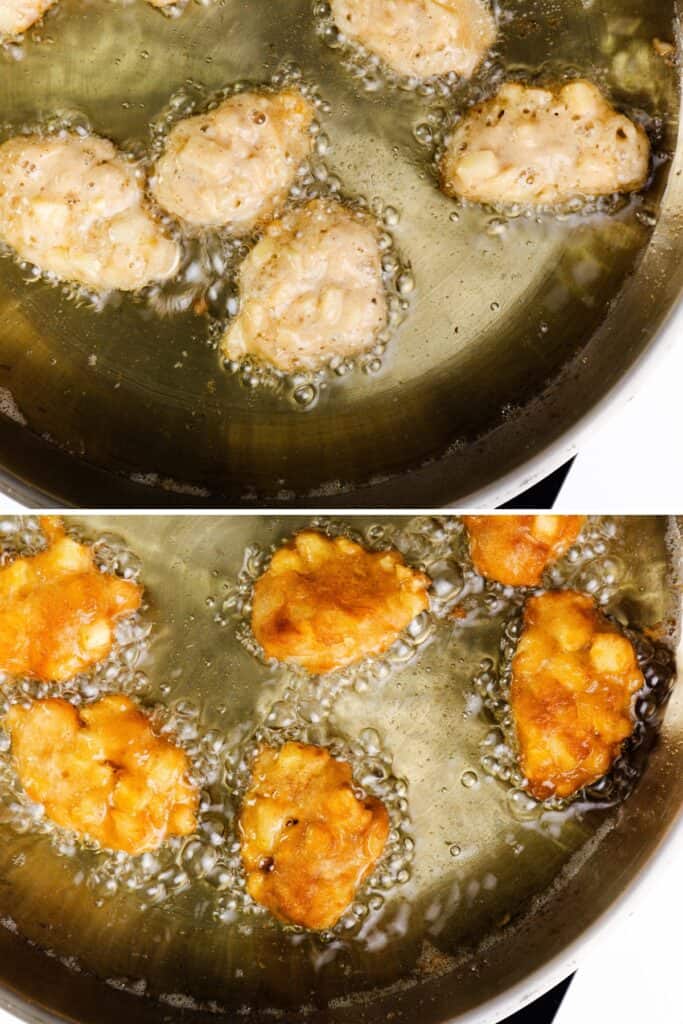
(310,289)
(71,205)
(516,550)
(16,16)
(544,146)
(326,602)
(574,677)
(101,771)
(58,611)
(308,841)
(420,38)
(234,166)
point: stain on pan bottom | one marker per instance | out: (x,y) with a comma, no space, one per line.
(503,312)
(470,856)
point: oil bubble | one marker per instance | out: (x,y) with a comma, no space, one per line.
(305,396)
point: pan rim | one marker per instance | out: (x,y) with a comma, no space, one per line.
(498,1007)
(553,455)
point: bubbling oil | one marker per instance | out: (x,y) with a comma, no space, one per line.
(426,545)
(434,131)
(206,282)
(372,75)
(597,565)
(468,849)
(305,721)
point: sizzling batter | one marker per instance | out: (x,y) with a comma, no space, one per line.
(310,289)
(103,772)
(420,38)
(73,206)
(16,16)
(58,611)
(516,550)
(540,146)
(574,677)
(234,166)
(308,842)
(324,603)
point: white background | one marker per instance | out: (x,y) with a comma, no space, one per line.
(631,974)
(632,462)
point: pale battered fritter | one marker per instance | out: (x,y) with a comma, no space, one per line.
(16,16)
(310,289)
(73,206)
(420,38)
(58,611)
(234,166)
(103,772)
(516,550)
(324,603)
(543,146)
(574,677)
(308,842)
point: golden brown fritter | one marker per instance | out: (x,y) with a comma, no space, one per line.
(102,771)
(324,603)
(58,611)
(308,842)
(573,681)
(516,550)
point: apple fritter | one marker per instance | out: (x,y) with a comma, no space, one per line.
(58,611)
(543,146)
(420,38)
(310,289)
(326,602)
(102,771)
(308,841)
(574,676)
(516,550)
(17,16)
(234,165)
(75,207)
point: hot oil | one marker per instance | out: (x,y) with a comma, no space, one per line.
(483,305)
(468,851)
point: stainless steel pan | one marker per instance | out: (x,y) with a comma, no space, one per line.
(515,334)
(499,903)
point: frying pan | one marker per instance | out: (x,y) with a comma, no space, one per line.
(497,908)
(516,333)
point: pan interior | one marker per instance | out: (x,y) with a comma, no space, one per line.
(482,856)
(501,311)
